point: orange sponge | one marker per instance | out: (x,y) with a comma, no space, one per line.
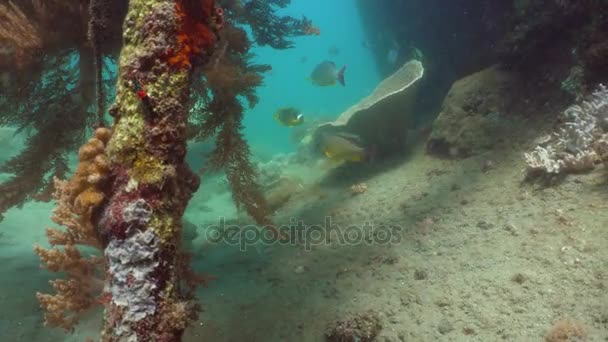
(194,36)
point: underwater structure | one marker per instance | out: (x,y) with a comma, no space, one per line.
(490,220)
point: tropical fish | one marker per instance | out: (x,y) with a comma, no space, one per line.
(289,116)
(333,51)
(326,74)
(342,147)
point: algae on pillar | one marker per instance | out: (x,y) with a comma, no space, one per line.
(140,224)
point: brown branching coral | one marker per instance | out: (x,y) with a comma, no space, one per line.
(76,201)
(232,151)
(51,99)
(20,36)
(229,76)
(267,27)
(32,28)
(54,114)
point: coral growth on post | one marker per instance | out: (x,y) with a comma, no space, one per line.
(141,222)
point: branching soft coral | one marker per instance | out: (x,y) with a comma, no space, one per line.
(33,28)
(269,28)
(229,76)
(21,36)
(56,119)
(76,201)
(50,104)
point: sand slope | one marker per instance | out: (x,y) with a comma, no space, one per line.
(476,256)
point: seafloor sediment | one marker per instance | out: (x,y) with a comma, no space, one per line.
(481,257)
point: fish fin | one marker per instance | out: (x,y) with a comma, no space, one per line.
(350,136)
(341,76)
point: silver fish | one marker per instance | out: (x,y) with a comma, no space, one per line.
(326,74)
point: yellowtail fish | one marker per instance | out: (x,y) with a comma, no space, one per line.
(289,116)
(342,147)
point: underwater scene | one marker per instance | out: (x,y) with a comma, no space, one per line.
(304,170)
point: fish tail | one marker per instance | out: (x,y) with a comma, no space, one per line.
(341,76)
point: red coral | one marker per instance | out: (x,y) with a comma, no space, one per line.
(195,34)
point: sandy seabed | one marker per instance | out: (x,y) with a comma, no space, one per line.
(475,255)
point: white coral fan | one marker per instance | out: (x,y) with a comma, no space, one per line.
(574,150)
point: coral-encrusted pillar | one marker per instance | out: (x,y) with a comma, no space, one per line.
(140,224)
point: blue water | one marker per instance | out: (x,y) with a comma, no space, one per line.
(286,85)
